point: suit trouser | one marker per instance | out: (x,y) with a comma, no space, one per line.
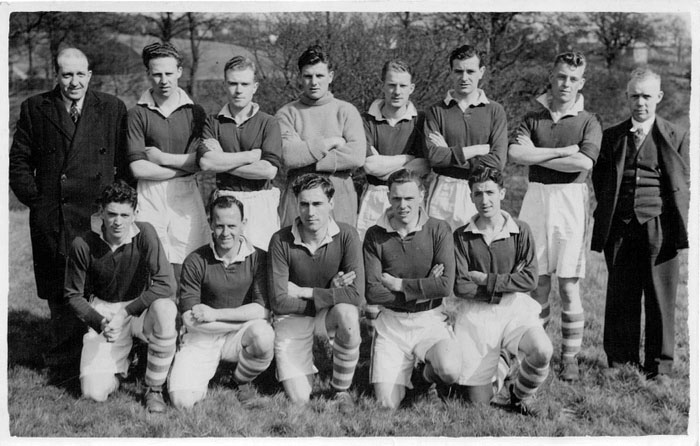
(640,262)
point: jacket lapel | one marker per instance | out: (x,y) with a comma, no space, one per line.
(89,117)
(621,150)
(50,108)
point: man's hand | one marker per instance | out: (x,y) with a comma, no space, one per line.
(478,277)
(154,155)
(437,270)
(255,155)
(115,323)
(343,279)
(334,142)
(437,139)
(212,144)
(525,142)
(203,313)
(392,283)
(296,292)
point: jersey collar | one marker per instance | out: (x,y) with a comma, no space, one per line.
(509,227)
(375,110)
(480,99)
(244,251)
(226,113)
(384,221)
(332,231)
(148,100)
(575,109)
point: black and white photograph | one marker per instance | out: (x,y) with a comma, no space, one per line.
(370,222)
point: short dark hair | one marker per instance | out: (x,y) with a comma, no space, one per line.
(119,192)
(240,63)
(465,52)
(571,58)
(402,176)
(223,201)
(482,174)
(313,55)
(398,66)
(158,50)
(312,181)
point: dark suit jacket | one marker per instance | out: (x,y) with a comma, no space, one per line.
(672,144)
(59,174)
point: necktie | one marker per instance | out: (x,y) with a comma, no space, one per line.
(74,112)
(638,137)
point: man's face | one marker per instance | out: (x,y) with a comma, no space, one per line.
(73,76)
(314,209)
(565,82)
(397,88)
(466,75)
(241,86)
(487,198)
(226,227)
(405,200)
(315,80)
(163,73)
(117,219)
(642,97)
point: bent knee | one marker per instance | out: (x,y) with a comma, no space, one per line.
(261,339)
(541,354)
(98,387)
(164,309)
(185,399)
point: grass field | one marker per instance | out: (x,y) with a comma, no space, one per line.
(600,405)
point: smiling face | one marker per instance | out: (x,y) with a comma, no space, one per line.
(117,219)
(566,81)
(240,86)
(73,76)
(163,74)
(226,227)
(487,198)
(315,80)
(643,95)
(314,209)
(405,200)
(397,88)
(466,75)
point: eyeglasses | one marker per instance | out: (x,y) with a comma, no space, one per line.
(575,59)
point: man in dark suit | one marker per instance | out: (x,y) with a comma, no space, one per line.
(642,185)
(69,144)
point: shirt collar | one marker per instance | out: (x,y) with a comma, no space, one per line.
(148,100)
(68,102)
(645,126)
(245,250)
(96,225)
(333,230)
(509,227)
(480,99)
(384,221)
(226,113)
(375,110)
(575,109)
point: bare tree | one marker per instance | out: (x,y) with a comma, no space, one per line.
(618,30)
(25,28)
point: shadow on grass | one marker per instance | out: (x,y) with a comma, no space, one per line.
(28,336)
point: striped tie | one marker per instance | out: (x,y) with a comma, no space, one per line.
(74,112)
(638,137)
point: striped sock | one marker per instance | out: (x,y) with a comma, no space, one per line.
(344,362)
(544,314)
(572,334)
(250,366)
(529,379)
(161,352)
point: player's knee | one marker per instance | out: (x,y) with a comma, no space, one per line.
(542,353)
(348,322)
(262,339)
(98,387)
(185,399)
(446,360)
(569,290)
(164,312)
